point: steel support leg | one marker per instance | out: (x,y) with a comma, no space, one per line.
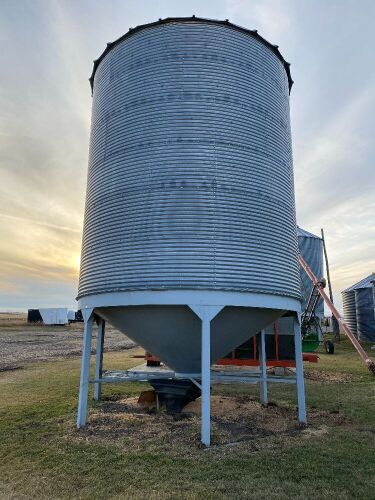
(299,373)
(206,314)
(99,360)
(263,369)
(206,382)
(85,371)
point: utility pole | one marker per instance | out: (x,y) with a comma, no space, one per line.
(335,325)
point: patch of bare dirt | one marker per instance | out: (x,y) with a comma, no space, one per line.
(325,376)
(22,343)
(235,421)
(9,368)
(310,432)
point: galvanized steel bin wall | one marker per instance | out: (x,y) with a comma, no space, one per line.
(364,304)
(350,312)
(190,181)
(351,308)
(311,249)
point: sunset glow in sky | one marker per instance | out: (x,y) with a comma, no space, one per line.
(47,51)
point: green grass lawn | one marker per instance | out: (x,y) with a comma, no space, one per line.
(42,455)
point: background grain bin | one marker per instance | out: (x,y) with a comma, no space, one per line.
(364,303)
(358,304)
(190,187)
(311,249)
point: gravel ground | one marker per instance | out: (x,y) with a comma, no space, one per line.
(21,343)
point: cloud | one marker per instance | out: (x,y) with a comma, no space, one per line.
(340,147)
(31,222)
(44,130)
(335,187)
(272,18)
(45,117)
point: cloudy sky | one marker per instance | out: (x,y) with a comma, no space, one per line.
(47,48)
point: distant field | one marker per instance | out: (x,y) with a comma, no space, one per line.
(12,318)
(126,452)
(22,343)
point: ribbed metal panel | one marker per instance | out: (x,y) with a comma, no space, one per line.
(364,304)
(190,181)
(351,310)
(302,232)
(350,313)
(365,283)
(311,249)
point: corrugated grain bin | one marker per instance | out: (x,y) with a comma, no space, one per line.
(190,194)
(358,304)
(311,248)
(364,303)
